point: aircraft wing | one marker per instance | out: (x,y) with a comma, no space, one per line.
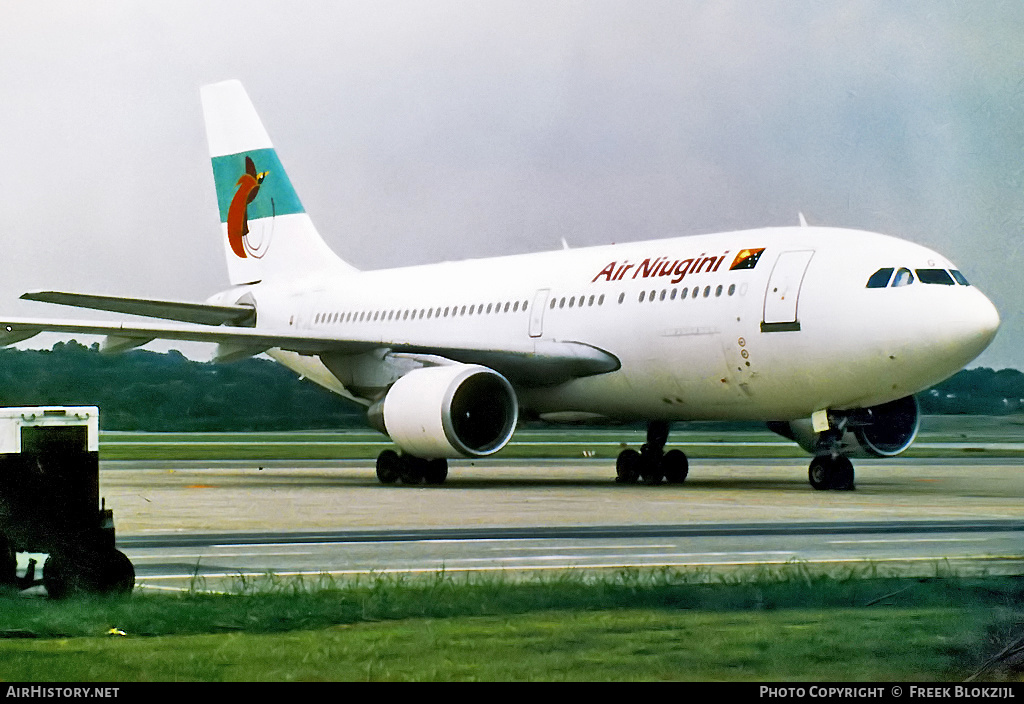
(533,363)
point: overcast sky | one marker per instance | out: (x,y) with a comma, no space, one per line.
(421,131)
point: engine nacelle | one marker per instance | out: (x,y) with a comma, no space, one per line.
(459,410)
(879,431)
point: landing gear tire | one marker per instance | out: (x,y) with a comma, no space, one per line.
(651,471)
(652,464)
(675,466)
(842,475)
(834,473)
(389,466)
(627,467)
(392,467)
(436,471)
(412,469)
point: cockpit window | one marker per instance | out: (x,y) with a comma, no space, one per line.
(934,276)
(880,279)
(903,278)
(960,278)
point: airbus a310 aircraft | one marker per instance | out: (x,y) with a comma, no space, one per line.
(823,333)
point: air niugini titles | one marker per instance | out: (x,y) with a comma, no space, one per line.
(678,269)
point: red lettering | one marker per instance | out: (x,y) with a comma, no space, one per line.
(606,273)
(681,270)
(678,269)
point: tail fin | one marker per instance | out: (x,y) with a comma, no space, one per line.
(266,230)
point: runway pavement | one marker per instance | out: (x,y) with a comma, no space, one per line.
(928,548)
(223,519)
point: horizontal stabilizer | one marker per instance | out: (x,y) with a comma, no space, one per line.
(16,329)
(183,311)
(8,335)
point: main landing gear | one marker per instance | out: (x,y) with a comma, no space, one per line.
(393,467)
(652,465)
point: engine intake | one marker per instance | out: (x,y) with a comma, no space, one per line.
(885,430)
(460,410)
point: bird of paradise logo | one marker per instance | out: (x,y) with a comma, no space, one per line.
(248,187)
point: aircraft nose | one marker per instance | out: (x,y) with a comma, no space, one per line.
(975,325)
(987,320)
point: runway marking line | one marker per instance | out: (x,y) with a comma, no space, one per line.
(139,558)
(448,568)
(916,540)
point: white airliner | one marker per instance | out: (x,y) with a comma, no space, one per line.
(823,333)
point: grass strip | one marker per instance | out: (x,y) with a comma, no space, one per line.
(782,624)
(560,443)
(611,645)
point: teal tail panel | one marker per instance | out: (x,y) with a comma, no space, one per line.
(276,195)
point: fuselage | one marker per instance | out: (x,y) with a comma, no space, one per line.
(769,324)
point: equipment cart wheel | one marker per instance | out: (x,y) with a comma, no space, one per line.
(8,564)
(104,572)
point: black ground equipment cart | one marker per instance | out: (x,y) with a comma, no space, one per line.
(50,503)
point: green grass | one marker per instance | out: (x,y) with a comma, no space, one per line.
(788,624)
(531,443)
(621,645)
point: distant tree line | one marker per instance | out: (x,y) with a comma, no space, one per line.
(980,391)
(142,390)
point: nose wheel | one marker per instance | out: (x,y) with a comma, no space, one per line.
(827,472)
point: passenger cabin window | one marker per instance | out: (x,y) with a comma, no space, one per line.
(903,278)
(880,279)
(934,276)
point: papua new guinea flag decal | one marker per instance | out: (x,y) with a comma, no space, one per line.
(746,259)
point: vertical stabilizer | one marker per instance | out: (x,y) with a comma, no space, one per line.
(265,229)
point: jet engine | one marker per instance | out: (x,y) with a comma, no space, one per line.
(885,430)
(459,410)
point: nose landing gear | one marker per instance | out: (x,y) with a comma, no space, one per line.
(830,469)
(828,472)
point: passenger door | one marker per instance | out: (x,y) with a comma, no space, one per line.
(540,303)
(782,296)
